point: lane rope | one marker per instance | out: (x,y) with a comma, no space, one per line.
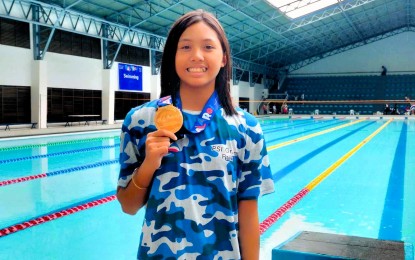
(270,220)
(49,217)
(57,143)
(273,147)
(53,173)
(40,156)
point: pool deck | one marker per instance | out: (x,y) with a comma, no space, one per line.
(350,117)
(24,130)
(319,246)
(16,131)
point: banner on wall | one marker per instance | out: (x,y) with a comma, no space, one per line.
(130,77)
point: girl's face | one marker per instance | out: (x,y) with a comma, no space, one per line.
(199,57)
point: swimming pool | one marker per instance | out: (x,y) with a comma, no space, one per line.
(352,177)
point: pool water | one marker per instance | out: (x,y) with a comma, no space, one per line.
(352,177)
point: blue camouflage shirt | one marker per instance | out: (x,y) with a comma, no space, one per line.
(192,209)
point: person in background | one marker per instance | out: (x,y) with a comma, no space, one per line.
(264,108)
(411,109)
(387,110)
(384,71)
(395,110)
(284,108)
(200,185)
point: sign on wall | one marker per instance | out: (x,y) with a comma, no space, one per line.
(130,77)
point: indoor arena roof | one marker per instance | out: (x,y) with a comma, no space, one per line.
(260,33)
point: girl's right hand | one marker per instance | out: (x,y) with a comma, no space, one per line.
(157,146)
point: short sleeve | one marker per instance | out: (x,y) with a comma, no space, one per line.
(256,177)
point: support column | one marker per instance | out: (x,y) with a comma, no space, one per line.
(234,93)
(39,93)
(155,59)
(155,87)
(108,95)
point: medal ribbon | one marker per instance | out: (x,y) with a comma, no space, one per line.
(203,120)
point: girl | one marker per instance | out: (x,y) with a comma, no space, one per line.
(200,186)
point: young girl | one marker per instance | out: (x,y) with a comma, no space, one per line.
(200,185)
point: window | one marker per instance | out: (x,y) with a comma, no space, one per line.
(14,104)
(63,102)
(133,55)
(298,8)
(14,33)
(125,101)
(73,44)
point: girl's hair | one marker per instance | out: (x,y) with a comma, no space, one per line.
(170,81)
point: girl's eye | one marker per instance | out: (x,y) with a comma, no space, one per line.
(209,47)
(185,47)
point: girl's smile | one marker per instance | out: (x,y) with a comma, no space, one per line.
(197,69)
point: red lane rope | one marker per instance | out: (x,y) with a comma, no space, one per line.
(270,220)
(22,179)
(53,216)
(54,173)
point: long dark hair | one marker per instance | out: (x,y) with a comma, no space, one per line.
(170,81)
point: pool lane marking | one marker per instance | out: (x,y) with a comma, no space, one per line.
(270,220)
(324,125)
(279,127)
(273,147)
(55,215)
(48,174)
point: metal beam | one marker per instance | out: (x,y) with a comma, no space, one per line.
(54,17)
(376,38)
(155,57)
(236,75)
(72,5)
(251,66)
(110,61)
(323,15)
(242,11)
(344,14)
(37,53)
(317,40)
(259,50)
(253,78)
(79,23)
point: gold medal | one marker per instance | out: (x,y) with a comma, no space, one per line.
(168,118)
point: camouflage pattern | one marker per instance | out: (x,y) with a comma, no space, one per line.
(192,209)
